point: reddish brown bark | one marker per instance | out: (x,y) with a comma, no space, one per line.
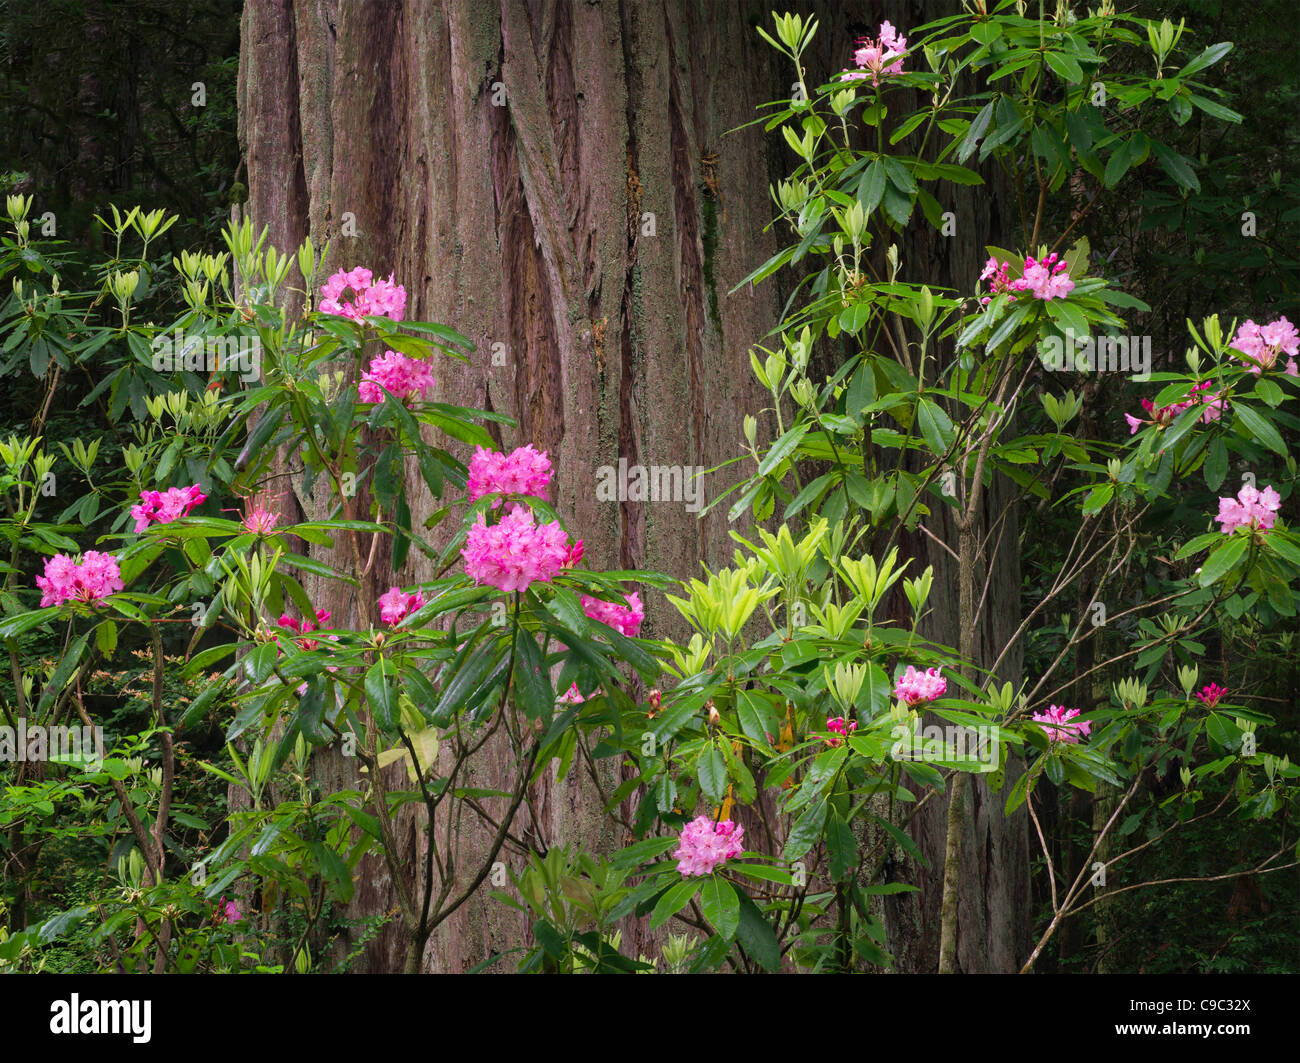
(524,225)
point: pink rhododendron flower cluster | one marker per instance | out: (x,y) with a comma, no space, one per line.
(524,471)
(370,298)
(875,57)
(95,577)
(1199,394)
(625,619)
(913,687)
(408,379)
(574,555)
(516,552)
(572,696)
(395,606)
(1047,279)
(163,507)
(1252,508)
(704,845)
(998,273)
(227,912)
(305,627)
(1210,694)
(1058,730)
(837,725)
(1214,404)
(1261,345)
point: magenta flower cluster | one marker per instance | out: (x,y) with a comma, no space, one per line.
(163,507)
(370,298)
(1054,722)
(838,726)
(1199,394)
(913,687)
(524,471)
(1047,279)
(704,845)
(408,379)
(396,605)
(625,619)
(883,55)
(515,552)
(1252,508)
(1262,345)
(1210,694)
(92,579)
(999,273)
(305,627)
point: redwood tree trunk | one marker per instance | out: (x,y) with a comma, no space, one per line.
(555,179)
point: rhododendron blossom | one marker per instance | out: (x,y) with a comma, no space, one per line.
(228,911)
(1260,345)
(516,552)
(1210,694)
(305,627)
(1199,394)
(913,687)
(574,555)
(95,577)
(407,379)
(1252,508)
(572,696)
(622,618)
(837,725)
(1047,279)
(1213,403)
(880,56)
(524,471)
(370,298)
(163,507)
(998,273)
(1058,730)
(704,845)
(396,606)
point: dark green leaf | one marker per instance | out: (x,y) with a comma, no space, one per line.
(721,906)
(381,693)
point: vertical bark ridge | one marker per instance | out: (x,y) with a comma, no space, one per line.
(520,225)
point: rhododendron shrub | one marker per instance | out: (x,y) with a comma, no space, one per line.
(807,662)
(752,769)
(391,677)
